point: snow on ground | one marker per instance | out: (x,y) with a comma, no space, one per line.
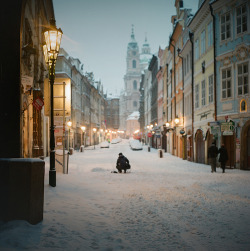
(162,204)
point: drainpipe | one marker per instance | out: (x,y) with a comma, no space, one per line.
(182,69)
(167,92)
(182,73)
(215,92)
(191,36)
(174,80)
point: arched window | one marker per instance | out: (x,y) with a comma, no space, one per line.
(243,105)
(135,85)
(134,63)
(135,103)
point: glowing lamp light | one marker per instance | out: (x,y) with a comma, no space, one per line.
(167,124)
(83,128)
(94,129)
(53,38)
(176,120)
(69,123)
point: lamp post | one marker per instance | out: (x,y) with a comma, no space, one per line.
(94,130)
(52,37)
(69,124)
(83,132)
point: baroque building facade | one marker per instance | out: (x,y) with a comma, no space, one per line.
(232,30)
(130,96)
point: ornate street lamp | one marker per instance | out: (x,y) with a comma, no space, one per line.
(52,37)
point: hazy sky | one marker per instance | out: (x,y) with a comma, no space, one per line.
(98,31)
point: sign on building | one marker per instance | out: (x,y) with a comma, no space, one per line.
(227,128)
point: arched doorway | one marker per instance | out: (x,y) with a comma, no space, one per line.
(200,147)
(245,147)
(189,146)
(230,146)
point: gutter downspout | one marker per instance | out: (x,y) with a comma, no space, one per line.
(167,92)
(191,36)
(182,73)
(174,80)
(215,75)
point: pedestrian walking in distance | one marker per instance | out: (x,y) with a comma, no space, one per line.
(122,163)
(212,155)
(223,157)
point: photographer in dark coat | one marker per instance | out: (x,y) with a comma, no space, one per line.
(212,155)
(223,157)
(122,163)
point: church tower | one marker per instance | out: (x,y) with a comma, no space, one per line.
(129,101)
(130,97)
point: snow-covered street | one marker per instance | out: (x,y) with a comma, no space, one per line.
(162,204)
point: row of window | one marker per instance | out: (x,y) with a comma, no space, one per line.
(204,100)
(242,77)
(226,22)
(225,30)
(200,44)
(227,86)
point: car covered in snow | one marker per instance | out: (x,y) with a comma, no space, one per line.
(104,144)
(116,140)
(135,144)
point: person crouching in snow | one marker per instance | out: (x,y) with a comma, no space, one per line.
(122,163)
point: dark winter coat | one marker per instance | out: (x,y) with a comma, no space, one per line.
(223,155)
(212,151)
(122,162)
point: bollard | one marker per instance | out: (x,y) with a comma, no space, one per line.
(148,148)
(82,148)
(160,153)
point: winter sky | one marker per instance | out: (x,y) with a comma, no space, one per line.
(98,31)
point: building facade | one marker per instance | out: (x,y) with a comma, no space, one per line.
(232,30)
(22,77)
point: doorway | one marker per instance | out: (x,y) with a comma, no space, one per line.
(200,147)
(230,146)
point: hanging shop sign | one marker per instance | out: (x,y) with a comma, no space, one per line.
(149,134)
(227,128)
(38,103)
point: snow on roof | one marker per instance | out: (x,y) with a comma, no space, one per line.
(134,116)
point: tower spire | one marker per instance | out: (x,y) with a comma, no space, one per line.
(132,33)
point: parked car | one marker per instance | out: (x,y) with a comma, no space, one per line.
(135,144)
(116,140)
(104,144)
